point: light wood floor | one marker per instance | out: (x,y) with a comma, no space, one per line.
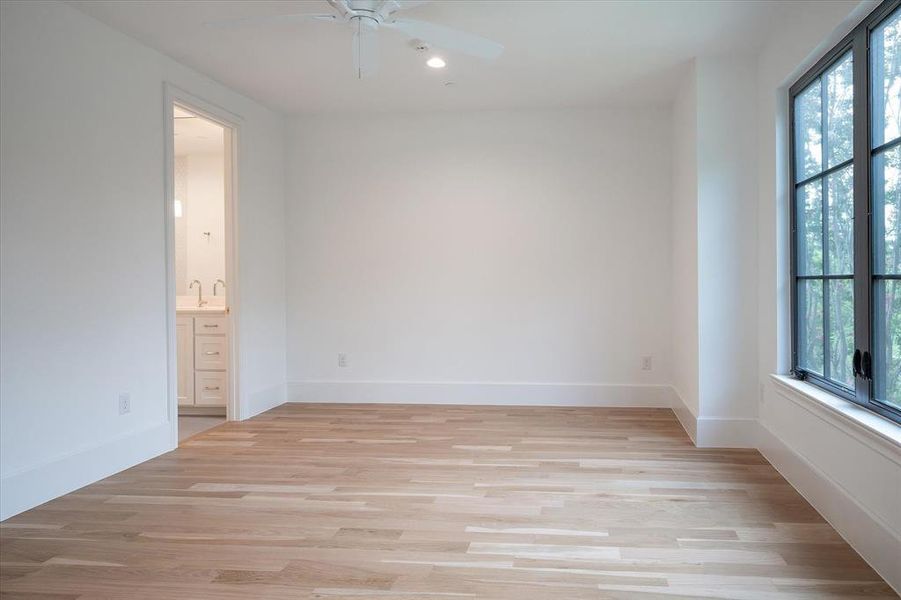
(191,425)
(417,502)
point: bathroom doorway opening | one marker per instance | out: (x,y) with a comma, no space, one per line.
(202,307)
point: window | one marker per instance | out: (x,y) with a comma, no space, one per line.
(846,216)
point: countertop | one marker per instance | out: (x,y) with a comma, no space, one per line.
(201,310)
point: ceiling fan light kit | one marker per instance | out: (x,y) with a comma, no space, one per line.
(366,17)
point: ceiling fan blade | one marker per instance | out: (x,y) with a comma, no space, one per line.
(365,48)
(407,4)
(269,20)
(342,6)
(447,38)
(391,7)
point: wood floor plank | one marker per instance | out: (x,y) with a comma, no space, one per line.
(418,502)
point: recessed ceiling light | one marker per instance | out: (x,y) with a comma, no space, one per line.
(436,62)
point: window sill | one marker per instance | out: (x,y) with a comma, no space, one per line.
(878,432)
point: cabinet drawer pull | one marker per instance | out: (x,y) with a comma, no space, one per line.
(211,389)
(211,353)
(208,325)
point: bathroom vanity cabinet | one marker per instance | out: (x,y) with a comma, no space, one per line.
(202,348)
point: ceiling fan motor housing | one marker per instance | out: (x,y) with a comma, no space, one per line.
(369,13)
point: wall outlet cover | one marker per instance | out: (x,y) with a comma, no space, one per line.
(124,403)
(342,360)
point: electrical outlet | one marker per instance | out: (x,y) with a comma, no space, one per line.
(124,403)
(342,360)
(647,363)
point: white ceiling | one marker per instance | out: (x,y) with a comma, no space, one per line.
(196,135)
(558,52)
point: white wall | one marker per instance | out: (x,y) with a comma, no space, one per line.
(685,251)
(204,212)
(180,182)
(83,294)
(495,249)
(727,246)
(714,229)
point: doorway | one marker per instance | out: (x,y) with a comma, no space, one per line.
(200,208)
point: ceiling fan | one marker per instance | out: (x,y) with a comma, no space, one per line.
(366,17)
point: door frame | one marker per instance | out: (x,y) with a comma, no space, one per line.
(231,122)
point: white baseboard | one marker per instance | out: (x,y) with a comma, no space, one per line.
(715,432)
(686,417)
(721,432)
(865,532)
(262,400)
(32,486)
(522,394)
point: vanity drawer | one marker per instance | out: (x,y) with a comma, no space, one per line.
(210,352)
(211,389)
(210,325)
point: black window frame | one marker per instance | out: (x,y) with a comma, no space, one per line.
(858,44)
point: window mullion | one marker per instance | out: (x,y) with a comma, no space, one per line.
(876,137)
(862,215)
(824,220)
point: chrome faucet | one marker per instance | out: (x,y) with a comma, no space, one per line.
(217,284)
(200,300)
